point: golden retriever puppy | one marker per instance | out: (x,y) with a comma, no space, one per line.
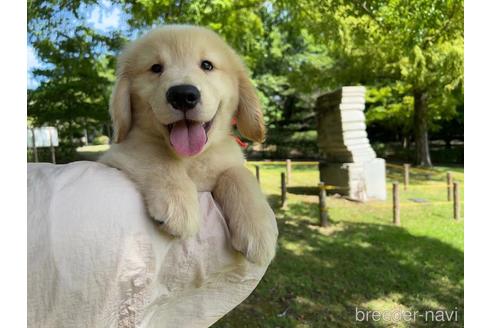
(178,88)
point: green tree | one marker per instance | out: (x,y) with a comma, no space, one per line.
(411,51)
(76,73)
(416,43)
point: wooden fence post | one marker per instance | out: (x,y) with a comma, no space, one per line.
(52,148)
(323,211)
(406,176)
(456,200)
(283,189)
(34,149)
(396,204)
(288,170)
(257,168)
(449,179)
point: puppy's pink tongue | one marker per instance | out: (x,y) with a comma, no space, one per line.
(188,138)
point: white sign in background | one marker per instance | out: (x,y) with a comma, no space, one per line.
(42,136)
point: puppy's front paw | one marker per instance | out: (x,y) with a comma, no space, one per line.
(255,234)
(176,210)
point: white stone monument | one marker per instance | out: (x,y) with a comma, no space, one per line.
(348,160)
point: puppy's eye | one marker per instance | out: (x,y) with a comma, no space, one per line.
(156,68)
(206,65)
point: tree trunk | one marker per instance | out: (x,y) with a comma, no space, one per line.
(289,109)
(422,154)
(404,142)
(448,143)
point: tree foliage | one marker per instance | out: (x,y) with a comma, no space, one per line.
(77,69)
(417,44)
(294,49)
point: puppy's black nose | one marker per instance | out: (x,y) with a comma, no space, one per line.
(183,97)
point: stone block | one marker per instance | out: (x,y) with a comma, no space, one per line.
(348,160)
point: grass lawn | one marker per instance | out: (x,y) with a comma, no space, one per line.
(91,152)
(321,275)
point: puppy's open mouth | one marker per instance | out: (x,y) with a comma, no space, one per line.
(189,137)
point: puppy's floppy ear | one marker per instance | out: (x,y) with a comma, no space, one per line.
(120,108)
(249,116)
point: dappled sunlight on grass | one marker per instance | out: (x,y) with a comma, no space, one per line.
(91,152)
(320,275)
(93,148)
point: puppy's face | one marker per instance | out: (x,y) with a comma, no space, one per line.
(185,84)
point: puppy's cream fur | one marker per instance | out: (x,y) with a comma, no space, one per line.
(168,182)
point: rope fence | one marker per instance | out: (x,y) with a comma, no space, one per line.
(396,204)
(402,204)
(299,163)
(415,169)
(451,186)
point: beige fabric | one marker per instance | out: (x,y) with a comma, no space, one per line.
(95,259)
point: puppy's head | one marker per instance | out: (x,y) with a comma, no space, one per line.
(184,84)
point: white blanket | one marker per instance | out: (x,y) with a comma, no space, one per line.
(95,259)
